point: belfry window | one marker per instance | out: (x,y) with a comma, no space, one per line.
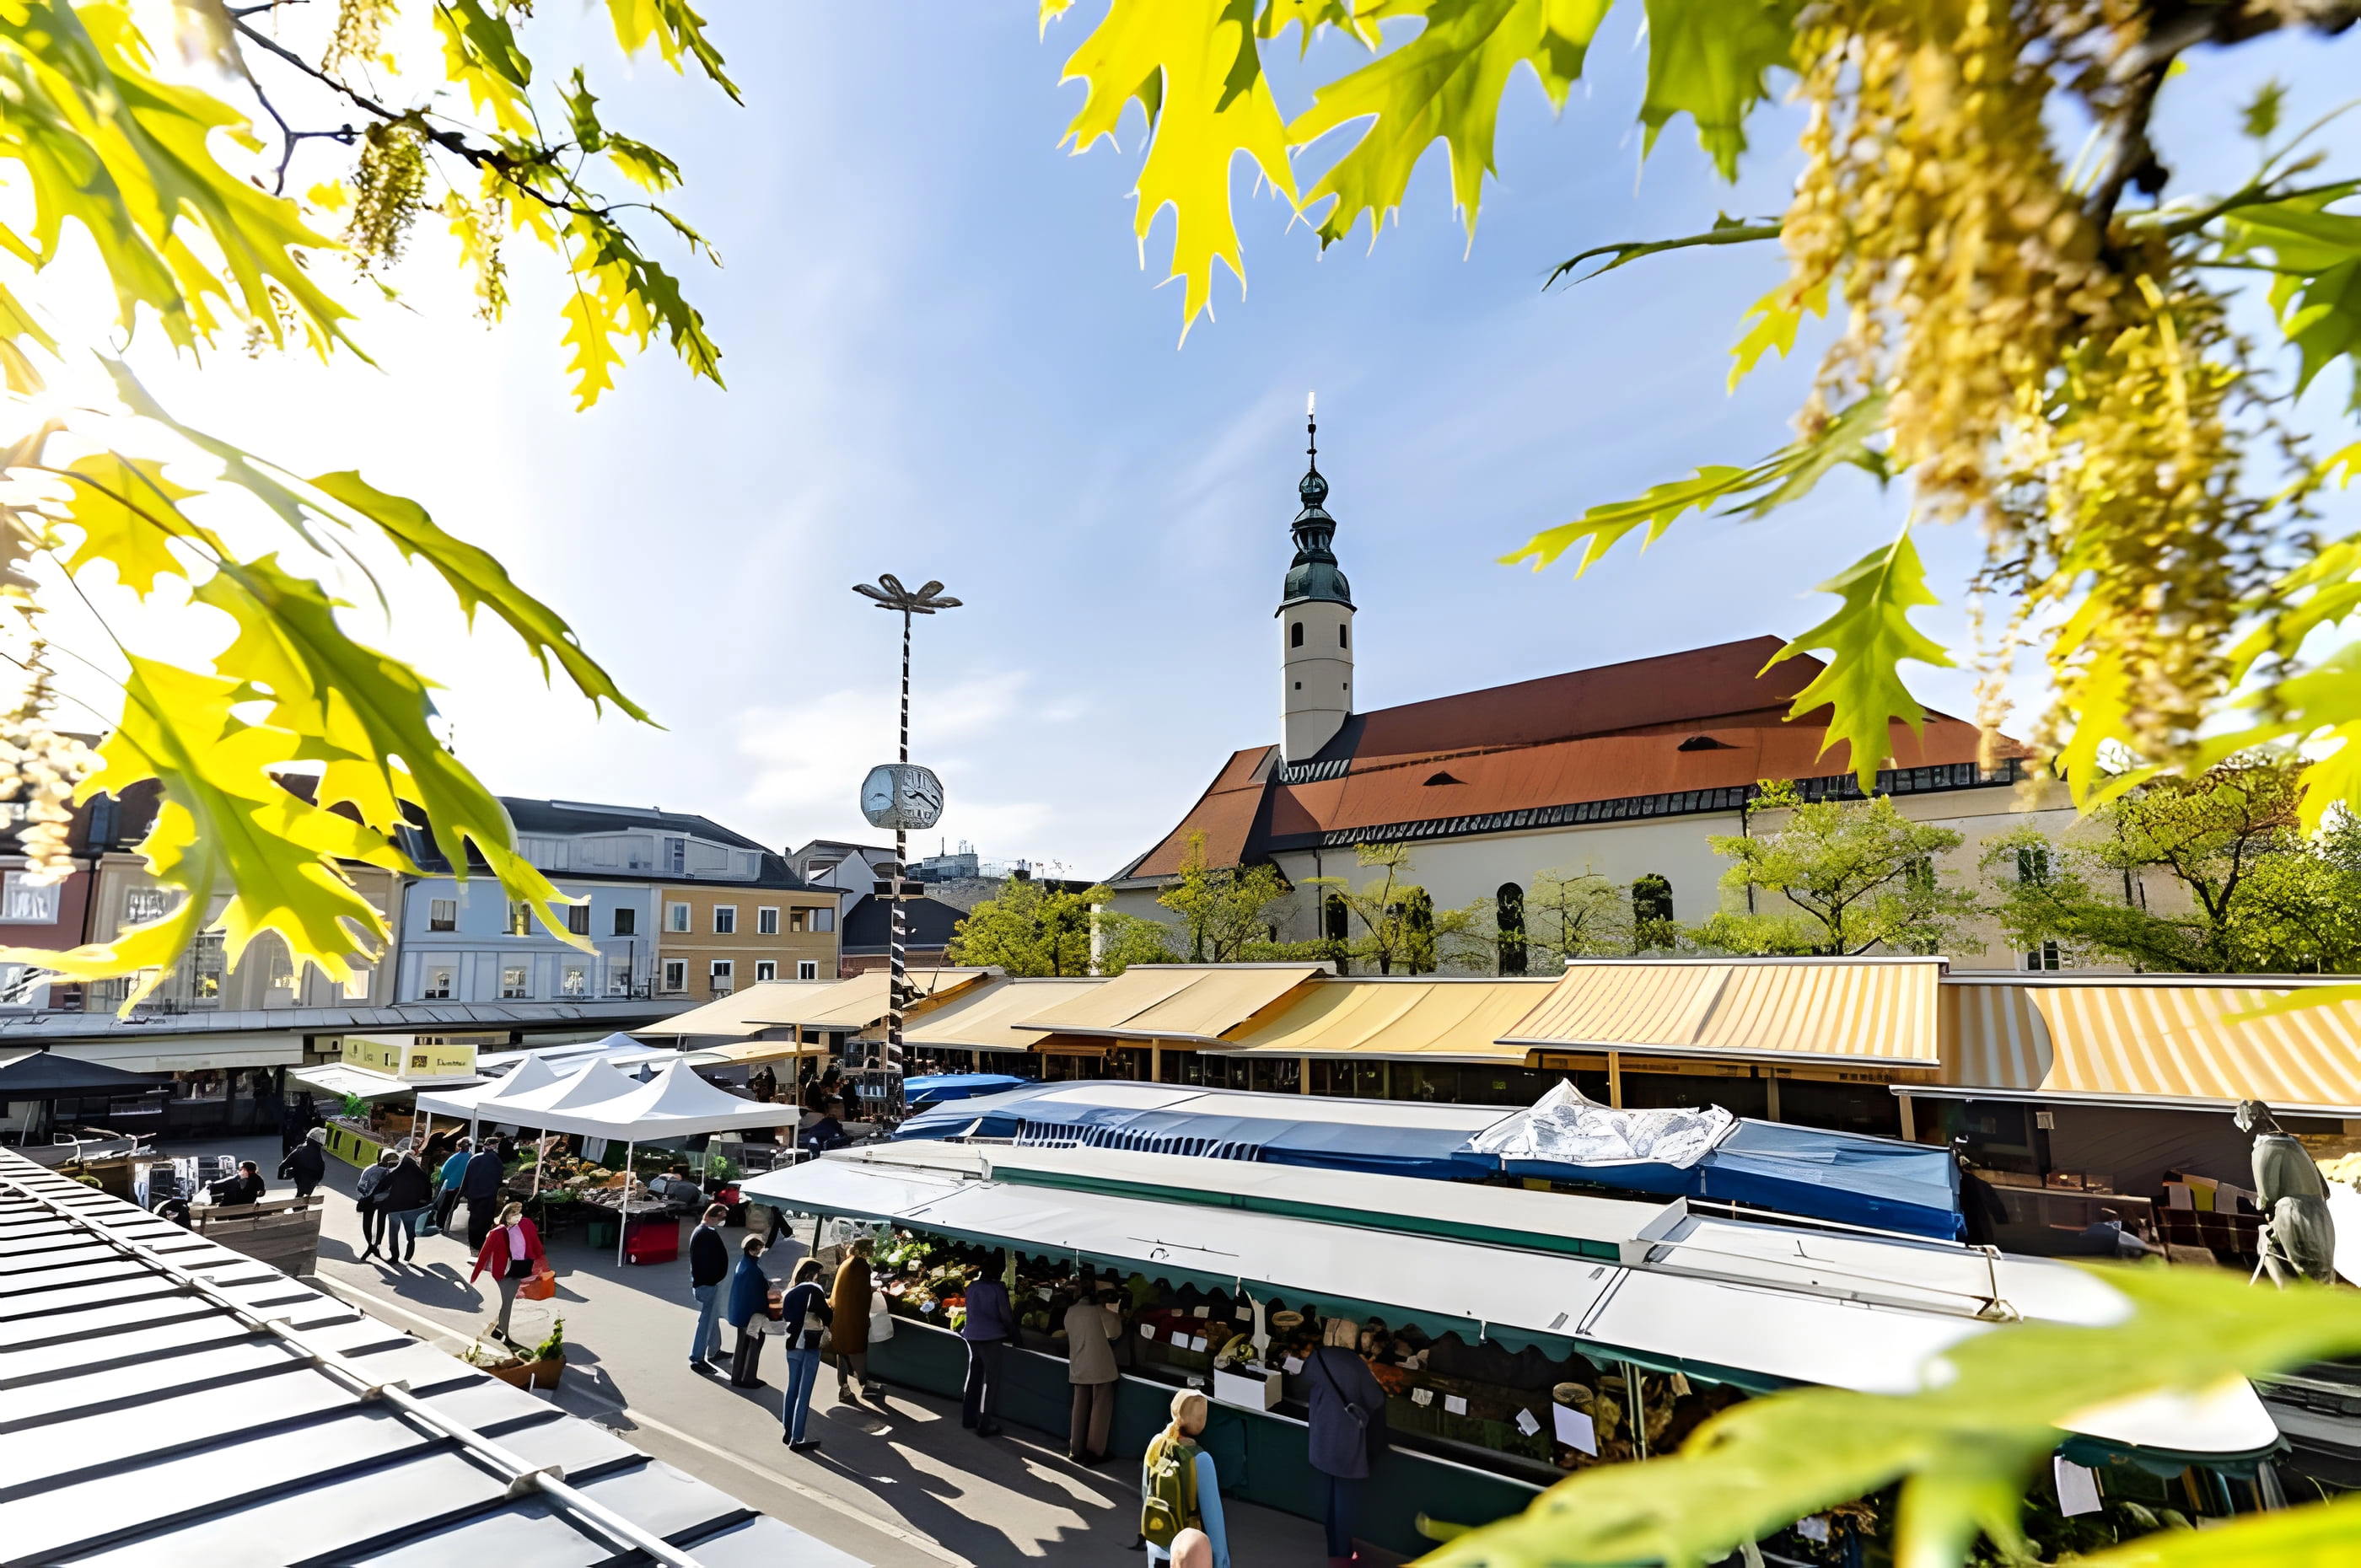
(1343,635)
(1295,635)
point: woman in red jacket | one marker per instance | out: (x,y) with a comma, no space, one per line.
(513,1254)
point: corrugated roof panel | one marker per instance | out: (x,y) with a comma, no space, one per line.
(142,1422)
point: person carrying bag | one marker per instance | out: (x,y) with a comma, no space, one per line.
(1347,1429)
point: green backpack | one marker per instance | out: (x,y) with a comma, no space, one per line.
(1171,1504)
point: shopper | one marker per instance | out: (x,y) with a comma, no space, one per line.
(447,1188)
(246,1186)
(848,1299)
(1348,1427)
(749,1311)
(513,1254)
(991,1325)
(371,1206)
(404,1197)
(480,1184)
(803,1317)
(1178,1489)
(762,1084)
(307,1162)
(1091,1330)
(708,1265)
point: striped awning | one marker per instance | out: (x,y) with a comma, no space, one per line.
(1197,1002)
(987,1017)
(857,1004)
(2163,1042)
(1428,1020)
(1813,1010)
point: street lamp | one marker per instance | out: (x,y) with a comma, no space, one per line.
(900,795)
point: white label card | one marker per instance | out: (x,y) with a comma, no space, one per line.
(1294,1364)
(1204,1311)
(1574,1430)
(1421,1396)
(1526,1423)
(1196,1342)
(2078,1488)
(1813,1526)
(1148,1331)
(1453,1405)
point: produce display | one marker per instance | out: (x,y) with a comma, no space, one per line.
(1523,1407)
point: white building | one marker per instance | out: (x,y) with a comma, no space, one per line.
(1623,770)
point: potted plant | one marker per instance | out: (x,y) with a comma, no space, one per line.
(540,1368)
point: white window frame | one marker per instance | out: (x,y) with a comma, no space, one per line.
(722,972)
(766,920)
(519,990)
(676,918)
(427,989)
(767,968)
(2044,959)
(577,919)
(806,969)
(437,919)
(143,904)
(675,976)
(357,985)
(26,903)
(725,919)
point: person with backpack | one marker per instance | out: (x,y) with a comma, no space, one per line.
(1178,1490)
(306,1163)
(1347,1429)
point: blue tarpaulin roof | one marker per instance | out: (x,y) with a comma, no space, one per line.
(1804,1171)
(919,1093)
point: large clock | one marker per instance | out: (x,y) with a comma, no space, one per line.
(902,794)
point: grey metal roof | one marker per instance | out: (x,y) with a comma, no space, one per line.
(164,1400)
(58,1027)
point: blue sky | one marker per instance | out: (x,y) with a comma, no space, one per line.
(945,360)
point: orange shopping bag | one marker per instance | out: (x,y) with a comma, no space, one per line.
(541,1286)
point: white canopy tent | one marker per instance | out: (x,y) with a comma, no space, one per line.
(598,1100)
(616,1050)
(533,1074)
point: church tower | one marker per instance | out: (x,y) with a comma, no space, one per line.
(1315,623)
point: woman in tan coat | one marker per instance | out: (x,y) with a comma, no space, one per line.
(847,1302)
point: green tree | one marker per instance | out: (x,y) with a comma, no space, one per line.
(2213,875)
(1222,911)
(1563,915)
(1032,927)
(1129,940)
(1857,874)
(254,222)
(2028,325)
(1398,925)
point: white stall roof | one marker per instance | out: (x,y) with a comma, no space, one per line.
(368,1083)
(529,1074)
(1805,1306)
(142,1422)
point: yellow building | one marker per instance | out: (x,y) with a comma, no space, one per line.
(712,938)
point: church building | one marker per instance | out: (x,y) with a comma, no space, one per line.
(1623,770)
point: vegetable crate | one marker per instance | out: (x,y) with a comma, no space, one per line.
(1255,1390)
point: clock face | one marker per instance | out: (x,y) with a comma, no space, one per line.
(902,794)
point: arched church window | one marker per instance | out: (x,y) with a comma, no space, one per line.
(1509,918)
(1295,635)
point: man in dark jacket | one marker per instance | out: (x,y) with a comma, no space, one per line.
(991,1325)
(708,1265)
(404,1195)
(306,1163)
(480,1186)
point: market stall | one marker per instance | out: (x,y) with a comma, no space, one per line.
(598,1104)
(1840,1177)
(375,1109)
(1519,1334)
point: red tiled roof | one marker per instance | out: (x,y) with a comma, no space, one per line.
(1602,734)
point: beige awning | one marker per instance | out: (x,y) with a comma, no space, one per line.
(2164,1042)
(1446,1020)
(851,1006)
(746,1053)
(1198,1003)
(985,1018)
(741,1012)
(1816,1009)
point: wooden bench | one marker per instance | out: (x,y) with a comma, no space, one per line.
(281,1231)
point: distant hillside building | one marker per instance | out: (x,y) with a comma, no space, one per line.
(1624,771)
